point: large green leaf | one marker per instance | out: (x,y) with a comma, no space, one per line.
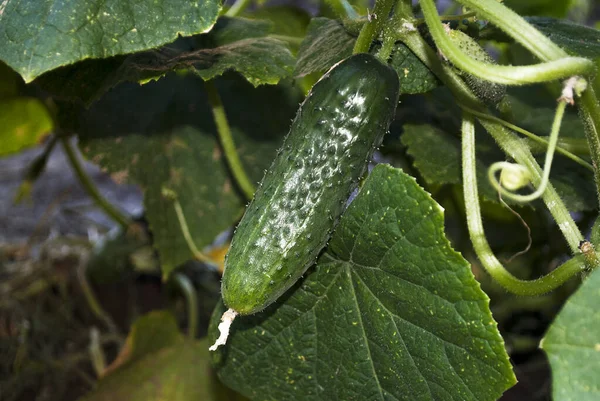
(549,8)
(437,156)
(390,311)
(158,363)
(326,43)
(24,121)
(161,135)
(39,35)
(290,23)
(576,39)
(415,77)
(573,345)
(237,44)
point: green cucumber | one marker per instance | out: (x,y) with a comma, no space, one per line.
(489,92)
(302,195)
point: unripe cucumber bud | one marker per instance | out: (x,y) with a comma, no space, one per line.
(489,92)
(514,176)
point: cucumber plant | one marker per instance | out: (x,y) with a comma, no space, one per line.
(346,285)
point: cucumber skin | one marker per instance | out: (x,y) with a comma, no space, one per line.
(299,201)
(489,92)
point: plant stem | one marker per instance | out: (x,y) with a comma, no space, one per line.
(425,53)
(237,8)
(185,230)
(460,17)
(373,27)
(482,248)
(293,40)
(96,352)
(513,146)
(342,9)
(541,46)
(35,169)
(590,115)
(91,299)
(191,298)
(91,188)
(560,111)
(508,142)
(507,75)
(224,132)
(564,142)
(403,10)
(388,45)
(516,27)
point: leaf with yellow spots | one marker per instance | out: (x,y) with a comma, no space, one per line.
(389,312)
(166,138)
(234,44)
(39,36)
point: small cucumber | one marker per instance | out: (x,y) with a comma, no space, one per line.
(302,195)
(489,92)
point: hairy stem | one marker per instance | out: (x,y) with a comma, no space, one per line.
(515,148)
(403,10)
(507,75)
(509,143)
(237,8)
(563,143)
(541,46)
(342,8)
(516,27)
(560,111)
(482,248)
(191,298)
(185,230)
(425,53)
(224,132)
(91,299)
(590,115)
(373,27)
(91,188)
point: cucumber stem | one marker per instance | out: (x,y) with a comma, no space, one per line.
(227,142)
(560,111)
(91,188)
(237,8)
(373,27)
(507,75)
(342,8)
(545,49)
(570,143)
(172,196)
(482,248)
(590,115)
(191,298)
(507,141)
(92,300)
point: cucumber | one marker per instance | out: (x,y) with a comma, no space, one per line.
(489,92)
(299,201)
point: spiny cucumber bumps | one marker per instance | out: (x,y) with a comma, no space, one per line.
(301,197)
(489,92)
